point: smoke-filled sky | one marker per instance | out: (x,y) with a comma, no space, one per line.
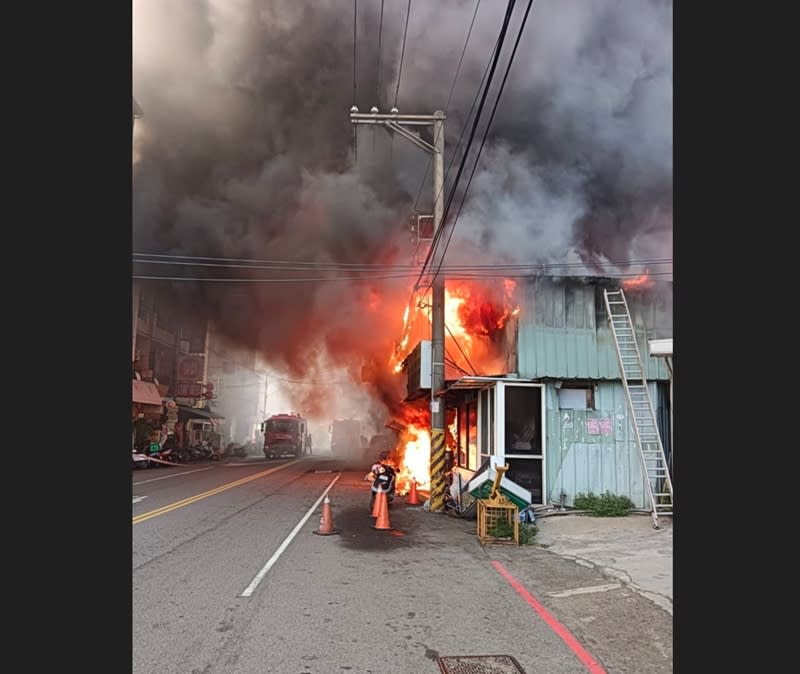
(245,150)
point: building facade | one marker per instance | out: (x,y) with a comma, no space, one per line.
(561,421)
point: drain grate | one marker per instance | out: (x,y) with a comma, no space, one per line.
(479,664)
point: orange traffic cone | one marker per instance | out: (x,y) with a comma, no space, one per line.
(383,512)
(326,521)
(413,499)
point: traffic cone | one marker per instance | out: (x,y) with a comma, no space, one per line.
(413,499)
(326,521)
(383,512)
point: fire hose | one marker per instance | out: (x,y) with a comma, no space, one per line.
(152,458)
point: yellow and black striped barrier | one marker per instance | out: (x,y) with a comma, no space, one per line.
(438,486)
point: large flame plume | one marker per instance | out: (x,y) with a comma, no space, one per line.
(476,315)
(476,318)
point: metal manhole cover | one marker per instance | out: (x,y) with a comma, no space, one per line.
(479,664)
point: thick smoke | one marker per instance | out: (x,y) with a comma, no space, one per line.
(246,151)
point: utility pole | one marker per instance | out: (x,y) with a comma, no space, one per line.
(399,124)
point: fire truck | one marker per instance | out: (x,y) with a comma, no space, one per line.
(286,434)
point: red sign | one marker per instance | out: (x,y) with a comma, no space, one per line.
(186,389)
(190,368)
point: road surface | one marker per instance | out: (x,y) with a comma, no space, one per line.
(230,577)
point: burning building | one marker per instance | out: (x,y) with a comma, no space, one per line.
(258,209)
(557,416)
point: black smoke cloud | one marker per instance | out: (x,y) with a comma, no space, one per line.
(246,151)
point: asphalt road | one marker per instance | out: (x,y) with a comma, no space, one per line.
(361,601)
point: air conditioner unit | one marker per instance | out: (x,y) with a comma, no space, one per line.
(660,347)
(417,366)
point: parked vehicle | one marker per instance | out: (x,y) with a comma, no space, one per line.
(383,480)
(140,460)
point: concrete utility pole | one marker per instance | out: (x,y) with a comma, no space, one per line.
(399,124)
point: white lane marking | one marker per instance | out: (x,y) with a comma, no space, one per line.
(136,499)
(586,590)
(164,477)
(260,576)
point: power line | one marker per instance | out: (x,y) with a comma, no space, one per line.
(233,263)
(485,135)
(328,279)
(399,75)
(378,87)
(495,59)
(402,54)
(355,90)
(355,39)
(449,100)
(380,38)
(474,371)
(274,280)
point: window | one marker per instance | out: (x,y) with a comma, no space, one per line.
(282,426)
(462,436)
(484,398)
(527,473)
(523,420)
(472,433)
(523,438)
(576,398)
(487,424)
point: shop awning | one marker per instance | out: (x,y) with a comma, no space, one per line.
(467,383)
(146,393)
(198,412)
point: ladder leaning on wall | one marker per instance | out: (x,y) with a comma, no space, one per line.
(643,417)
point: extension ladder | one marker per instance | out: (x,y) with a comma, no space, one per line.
(643,417)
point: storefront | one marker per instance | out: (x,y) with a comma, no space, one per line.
(197,425)
(147,401)
(499,421)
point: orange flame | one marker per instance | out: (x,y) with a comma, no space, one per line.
(639,283)
(476,316)
(415,462)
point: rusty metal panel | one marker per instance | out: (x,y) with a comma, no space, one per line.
(593,450)
(563,329)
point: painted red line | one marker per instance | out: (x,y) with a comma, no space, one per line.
(583,655)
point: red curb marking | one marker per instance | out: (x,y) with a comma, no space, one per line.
(583,655)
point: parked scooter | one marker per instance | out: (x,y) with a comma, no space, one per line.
(139,460)
(383,480)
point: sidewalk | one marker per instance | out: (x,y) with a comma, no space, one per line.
(625,549)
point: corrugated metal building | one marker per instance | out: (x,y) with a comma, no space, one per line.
(564,341)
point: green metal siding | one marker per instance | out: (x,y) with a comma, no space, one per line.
(564,334)
(578,461)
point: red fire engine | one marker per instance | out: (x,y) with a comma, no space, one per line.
(286,434)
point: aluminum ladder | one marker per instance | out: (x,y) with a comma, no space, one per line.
(651,450)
